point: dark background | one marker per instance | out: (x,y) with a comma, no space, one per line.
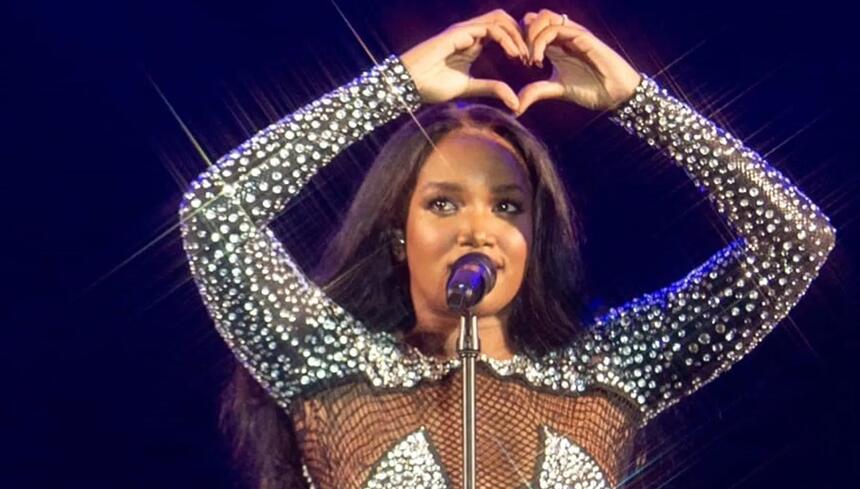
(112,366)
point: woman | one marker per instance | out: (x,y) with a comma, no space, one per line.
(364,369)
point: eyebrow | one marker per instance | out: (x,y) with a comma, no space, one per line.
(456,187)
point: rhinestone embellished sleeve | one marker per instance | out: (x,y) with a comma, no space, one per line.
(667,344)
(279,324)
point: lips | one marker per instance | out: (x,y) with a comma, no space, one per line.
(499,264)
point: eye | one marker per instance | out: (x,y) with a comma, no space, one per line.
(442,205)
(510,207)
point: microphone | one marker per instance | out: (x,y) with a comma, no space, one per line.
(472,277)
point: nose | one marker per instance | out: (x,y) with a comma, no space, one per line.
(476,230)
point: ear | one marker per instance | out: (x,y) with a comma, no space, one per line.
(398,245)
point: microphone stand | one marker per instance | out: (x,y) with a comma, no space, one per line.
(468,348)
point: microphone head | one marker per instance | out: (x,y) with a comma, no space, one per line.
(472,277)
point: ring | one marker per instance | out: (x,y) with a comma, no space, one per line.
(563,19)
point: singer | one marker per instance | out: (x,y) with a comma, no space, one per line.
(348,378)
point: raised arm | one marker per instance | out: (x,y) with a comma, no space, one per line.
(280,325)
(667,344)
(664,345)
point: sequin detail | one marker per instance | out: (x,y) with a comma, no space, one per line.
(665,345)
(565,464)
(280,325)
(307,475)
(410,463)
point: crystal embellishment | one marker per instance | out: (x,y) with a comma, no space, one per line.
(411,463)
(565,464)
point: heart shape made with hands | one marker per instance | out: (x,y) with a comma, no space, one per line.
(584,69)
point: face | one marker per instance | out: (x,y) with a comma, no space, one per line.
(472,194)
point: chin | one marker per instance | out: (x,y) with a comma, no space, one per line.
(485,308)
(487,311)
(497,302)
(492,306)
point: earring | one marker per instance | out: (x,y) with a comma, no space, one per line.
(398,247)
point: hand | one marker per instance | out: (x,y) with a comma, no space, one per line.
(440,65)
(584,70)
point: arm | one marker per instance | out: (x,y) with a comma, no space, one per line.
(278,323)
(281,326)
(665,345)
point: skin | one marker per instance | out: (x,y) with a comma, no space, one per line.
(446,222)
(586,72)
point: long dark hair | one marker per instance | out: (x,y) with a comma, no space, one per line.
(358,271)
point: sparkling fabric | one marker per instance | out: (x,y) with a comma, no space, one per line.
(409,464)
(372,412)
(566,465)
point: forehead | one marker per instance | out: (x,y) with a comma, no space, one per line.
(474,157)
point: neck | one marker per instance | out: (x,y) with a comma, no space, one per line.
(438,336)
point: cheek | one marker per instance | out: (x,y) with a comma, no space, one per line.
(521,249)
(517,248)
(425,239)
(515,243)
(428,245)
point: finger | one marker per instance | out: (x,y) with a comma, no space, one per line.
(483,18)
(504,39)
(528,18)
(490,16)
(543,19)
(479,32)
(504,19)
(544,37)
(573,37)
(510,26)
(571,23)
(539,90)
(538,25)
(531,16)
(479,87)
(506,22)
